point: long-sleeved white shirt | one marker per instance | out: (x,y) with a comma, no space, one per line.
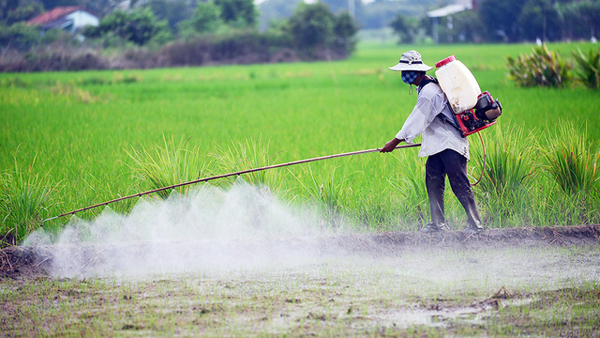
(438,134)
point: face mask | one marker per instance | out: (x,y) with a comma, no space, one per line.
(409,77)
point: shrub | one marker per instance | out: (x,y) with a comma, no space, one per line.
(19,36)
(312,27)
(139,26)
(542,68)
(588,68)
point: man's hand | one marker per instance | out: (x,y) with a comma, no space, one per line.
(391,145)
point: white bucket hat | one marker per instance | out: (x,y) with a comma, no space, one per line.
(411,60)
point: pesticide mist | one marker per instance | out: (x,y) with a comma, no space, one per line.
(247,229)
(209,228)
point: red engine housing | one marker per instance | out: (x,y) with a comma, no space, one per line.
(482,116)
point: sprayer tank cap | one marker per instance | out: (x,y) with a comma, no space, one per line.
(445,61)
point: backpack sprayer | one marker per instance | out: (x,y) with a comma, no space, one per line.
(474,110)
(237,173)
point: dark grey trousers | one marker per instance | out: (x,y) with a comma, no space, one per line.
(454,165)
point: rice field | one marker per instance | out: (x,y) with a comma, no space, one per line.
(73,138)
(227,259)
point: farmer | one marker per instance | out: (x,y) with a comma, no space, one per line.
(443,143)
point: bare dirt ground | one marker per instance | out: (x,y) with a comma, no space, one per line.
(542,282)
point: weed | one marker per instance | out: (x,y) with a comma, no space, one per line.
(572,160)
(171,164)
(24,199)
(542,68)
(509,167)
(588,68)
(248,154)
(329,190)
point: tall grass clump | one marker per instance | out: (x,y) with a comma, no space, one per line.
(572,161)
(24,200)
(543,68)
(248,154)
(504,190)
(409,184)
(328,188)
(588,68)
(169,164)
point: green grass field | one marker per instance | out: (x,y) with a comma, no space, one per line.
(73,133)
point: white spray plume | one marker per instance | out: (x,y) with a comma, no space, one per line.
(209,228)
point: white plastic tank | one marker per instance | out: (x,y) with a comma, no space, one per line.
(458,83)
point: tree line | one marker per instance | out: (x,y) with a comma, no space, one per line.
(507,21)
(181,32)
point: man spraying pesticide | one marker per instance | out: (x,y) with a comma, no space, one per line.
(443,119)
(444,115)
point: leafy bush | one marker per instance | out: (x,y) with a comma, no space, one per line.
(205,19)
(312,27)
(19,36)
(588,68)
(543,68)
(139,26)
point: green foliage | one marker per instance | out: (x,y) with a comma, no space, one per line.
(171,164)
(588,70)
(49,4)
(302,111)
(22,12)
(248,154)
(329,189)
(542,68)
(24,198)
(206,19)
(572,161)
(19,36)
(345,29)
(539,19)
(138,26)
(499,19)
(311,26)
(405,27)
(174,12)
(510,169)
(579,19)
(238,13)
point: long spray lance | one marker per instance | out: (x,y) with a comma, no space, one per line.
(237,173)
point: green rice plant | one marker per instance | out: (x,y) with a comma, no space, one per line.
(542,68)
(572,161)
(328,188)
(509,166)
(24,200)
(248,154)
(588,68)
(409,182)
(167,165)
